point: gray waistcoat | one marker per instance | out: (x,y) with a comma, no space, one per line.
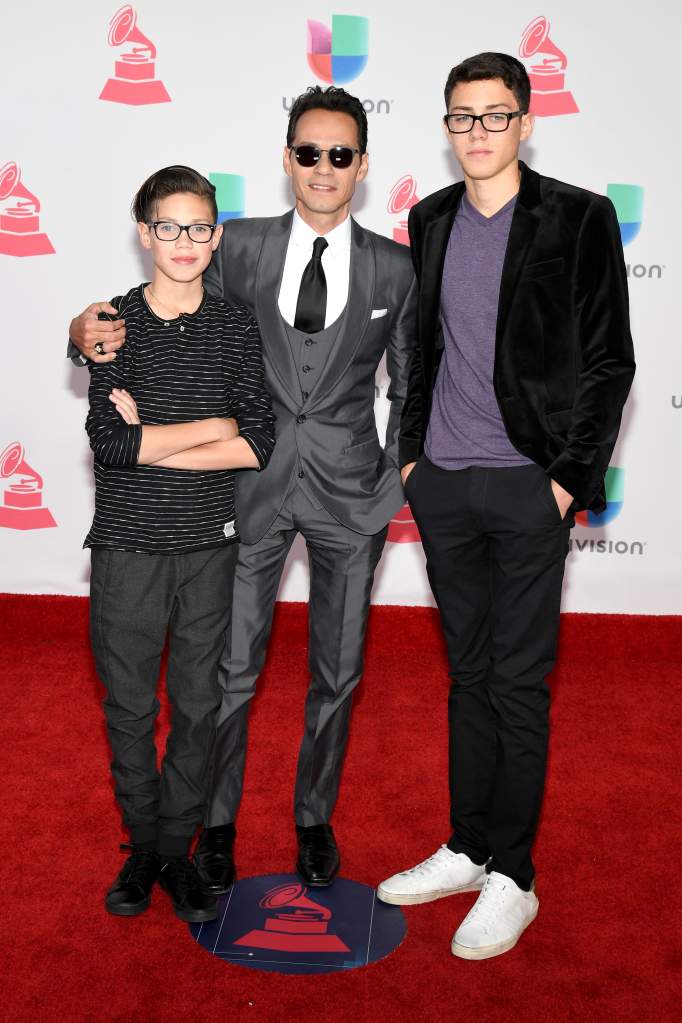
(310,353)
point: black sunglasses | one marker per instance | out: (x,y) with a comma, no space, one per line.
(339,156)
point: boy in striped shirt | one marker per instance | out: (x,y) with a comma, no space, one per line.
(171,418)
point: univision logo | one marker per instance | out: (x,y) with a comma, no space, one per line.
(339,54)
(615,487)
(629,203)
(230,192)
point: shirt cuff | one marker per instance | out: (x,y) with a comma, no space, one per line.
(261,451)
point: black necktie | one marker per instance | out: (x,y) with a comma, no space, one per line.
(311,308)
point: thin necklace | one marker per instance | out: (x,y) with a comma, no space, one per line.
(167,308)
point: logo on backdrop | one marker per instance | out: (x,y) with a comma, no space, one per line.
(615,487)
(629,202)
(20,233)
(402,528)
(401,200)
(546,73)
(230,194)
(134,80)
(339,54)
(272,923)
(615,491)
(22,501)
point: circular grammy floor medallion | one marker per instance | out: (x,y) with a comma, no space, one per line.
(276,923)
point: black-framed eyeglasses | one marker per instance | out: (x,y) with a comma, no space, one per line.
(497,120)
(168,231)
(339,156)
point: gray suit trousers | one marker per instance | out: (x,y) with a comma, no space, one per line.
(342,564)
(136,600)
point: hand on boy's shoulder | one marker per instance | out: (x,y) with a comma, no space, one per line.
(87,331)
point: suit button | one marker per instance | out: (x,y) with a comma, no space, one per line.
(305,394)
(306,369)
(309,342)
(301,419)
(301,474)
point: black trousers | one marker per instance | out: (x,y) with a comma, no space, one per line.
(495,546)
(135,601)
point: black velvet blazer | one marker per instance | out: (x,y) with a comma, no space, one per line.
(564,359)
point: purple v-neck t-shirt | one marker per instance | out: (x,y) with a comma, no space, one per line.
(465,427)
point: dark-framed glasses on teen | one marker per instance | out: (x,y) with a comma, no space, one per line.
(169,231)
(496,120)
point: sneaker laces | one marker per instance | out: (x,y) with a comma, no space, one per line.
(493,895)
(184,874)
(141,867)
(440,858)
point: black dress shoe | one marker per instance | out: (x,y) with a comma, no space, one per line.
(130,893)
(214,858)
(179,877)
(318,855)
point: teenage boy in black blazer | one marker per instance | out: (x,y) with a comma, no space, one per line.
(522,368)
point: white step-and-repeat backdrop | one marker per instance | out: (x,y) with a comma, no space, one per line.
(97,96)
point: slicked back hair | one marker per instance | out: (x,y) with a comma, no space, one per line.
(331,98)
(170,181)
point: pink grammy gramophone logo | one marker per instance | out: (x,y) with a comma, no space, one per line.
(401,200)
(402,528)
(548,95)
(20,233)
(133,82)
(296,923)
(22,502)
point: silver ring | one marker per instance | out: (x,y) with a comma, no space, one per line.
(99,348)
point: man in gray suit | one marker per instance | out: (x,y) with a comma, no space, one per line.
(330,298)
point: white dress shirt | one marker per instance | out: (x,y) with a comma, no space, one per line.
(335,262)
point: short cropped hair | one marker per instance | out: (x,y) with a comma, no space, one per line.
(332,98)
(170,181)
(492,65)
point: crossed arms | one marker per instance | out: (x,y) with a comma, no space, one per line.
(243,441)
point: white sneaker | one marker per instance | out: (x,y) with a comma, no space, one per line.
(496,921)
(444,873)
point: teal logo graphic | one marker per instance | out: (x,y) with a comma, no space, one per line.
(629,202)
(615,490)
(338,55)
(230,192)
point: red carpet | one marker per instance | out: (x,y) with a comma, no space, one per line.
(602,949)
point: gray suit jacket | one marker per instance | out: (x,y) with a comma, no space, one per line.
(332,433)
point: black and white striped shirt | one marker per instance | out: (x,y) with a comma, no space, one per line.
(207,363)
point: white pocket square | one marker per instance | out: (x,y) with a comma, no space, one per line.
(376,313)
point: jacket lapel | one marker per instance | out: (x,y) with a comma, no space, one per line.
(524,225)
(434,247)
(355,317)
(275,341)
